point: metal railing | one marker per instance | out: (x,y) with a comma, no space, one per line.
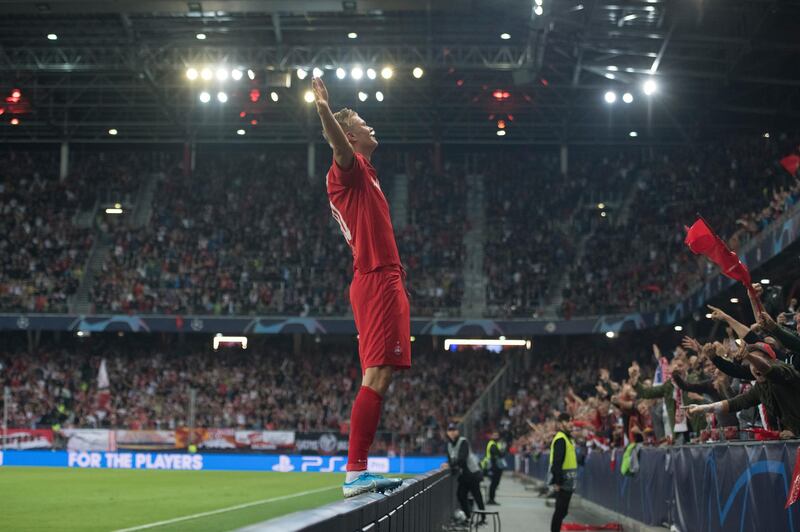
(422,503)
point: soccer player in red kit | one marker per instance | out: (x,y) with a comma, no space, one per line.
(377,294)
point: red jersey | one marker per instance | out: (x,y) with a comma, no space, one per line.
(362,212)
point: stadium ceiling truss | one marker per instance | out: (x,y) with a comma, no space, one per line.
(719,65)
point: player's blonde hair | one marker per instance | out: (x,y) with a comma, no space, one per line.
(345,117)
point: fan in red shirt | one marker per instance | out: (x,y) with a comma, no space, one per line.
(377,294)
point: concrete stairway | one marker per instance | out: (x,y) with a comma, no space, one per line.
(473,303)
(81,302)
(85,219)
(399,201)
(143,208)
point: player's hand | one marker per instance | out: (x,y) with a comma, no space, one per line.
(320,92)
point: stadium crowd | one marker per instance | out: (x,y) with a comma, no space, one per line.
(42,252)
(431,245)
(260,388)
(249,233)
(635,259)
(745,383)
(241,235)
(534,213)
(43,248)
(252,234)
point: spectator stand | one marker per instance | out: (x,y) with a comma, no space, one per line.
(158,386)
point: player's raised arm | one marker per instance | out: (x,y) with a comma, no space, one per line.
(343,152)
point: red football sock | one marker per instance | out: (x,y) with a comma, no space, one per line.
(363,424)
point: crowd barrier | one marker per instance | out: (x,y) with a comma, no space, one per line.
(282,463)
(697,488)
(421,504)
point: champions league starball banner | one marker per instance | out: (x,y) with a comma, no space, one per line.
(279,463)
(764,246)
(734,487)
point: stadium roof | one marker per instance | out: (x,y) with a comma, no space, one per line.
(84,67)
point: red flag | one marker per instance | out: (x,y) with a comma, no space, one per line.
(103,384)
(702,241)
(794,490)
(791,163)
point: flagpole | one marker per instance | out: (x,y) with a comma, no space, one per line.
(6,399)
(192,416)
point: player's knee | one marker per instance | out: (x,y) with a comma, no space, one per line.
(378,378)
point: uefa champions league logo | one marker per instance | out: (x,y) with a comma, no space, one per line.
(197,324)
(23,322)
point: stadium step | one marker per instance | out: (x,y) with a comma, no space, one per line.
(85,219)
(399,201)
(81,302)
(473,303)
(144,200)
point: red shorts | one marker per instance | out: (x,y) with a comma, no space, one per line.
(382,315)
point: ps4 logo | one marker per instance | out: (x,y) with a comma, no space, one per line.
(325,464)
(284,464)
